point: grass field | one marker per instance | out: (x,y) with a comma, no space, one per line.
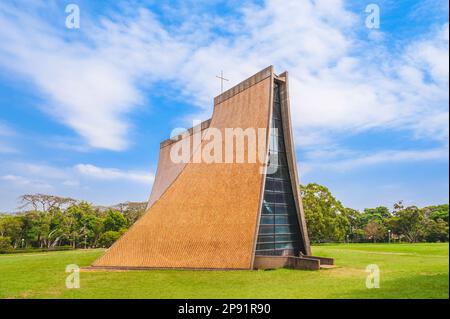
(406,271)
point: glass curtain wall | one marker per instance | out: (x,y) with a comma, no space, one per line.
(279,233)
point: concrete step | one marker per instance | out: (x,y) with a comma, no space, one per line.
(327,266)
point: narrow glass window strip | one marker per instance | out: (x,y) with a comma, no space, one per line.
(279,233)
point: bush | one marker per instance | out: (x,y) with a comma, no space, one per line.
(34,250)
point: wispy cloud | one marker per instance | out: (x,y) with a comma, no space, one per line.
(114,174)
(30,184)
(69,176)
(41,170)
(90,86)
(347,160)
(339,82)
(84,181)
(344,80)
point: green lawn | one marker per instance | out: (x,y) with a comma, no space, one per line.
(406,271)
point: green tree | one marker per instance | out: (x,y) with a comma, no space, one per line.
(93,227)
(355,224)
(408,222)
(61,221)
(379,214)
(436,231)
(61,227)
(74,221)
(35,228)
(114,221)
(437,212)
(11,226)
(325,215)
(109,237)
(5,243)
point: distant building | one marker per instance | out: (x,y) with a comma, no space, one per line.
(222,214)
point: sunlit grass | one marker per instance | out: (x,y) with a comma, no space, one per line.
(406,271)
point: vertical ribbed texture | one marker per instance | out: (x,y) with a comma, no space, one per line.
(168,171)
(207,217)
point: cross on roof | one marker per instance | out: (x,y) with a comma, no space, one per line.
(221,80)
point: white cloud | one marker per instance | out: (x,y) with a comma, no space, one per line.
(393,157)
(83,181)
(69,176)
(339,83)
(85,92)
(91,86)
(114,174)
(22,181)
(346,160)
(15,178)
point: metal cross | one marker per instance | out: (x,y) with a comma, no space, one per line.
(221,80)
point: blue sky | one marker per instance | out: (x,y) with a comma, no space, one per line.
(82,111)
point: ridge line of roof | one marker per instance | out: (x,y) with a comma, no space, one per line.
(203,125)
(258,77)
(243,85)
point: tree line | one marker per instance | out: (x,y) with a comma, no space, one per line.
(329,221)
(48,222)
